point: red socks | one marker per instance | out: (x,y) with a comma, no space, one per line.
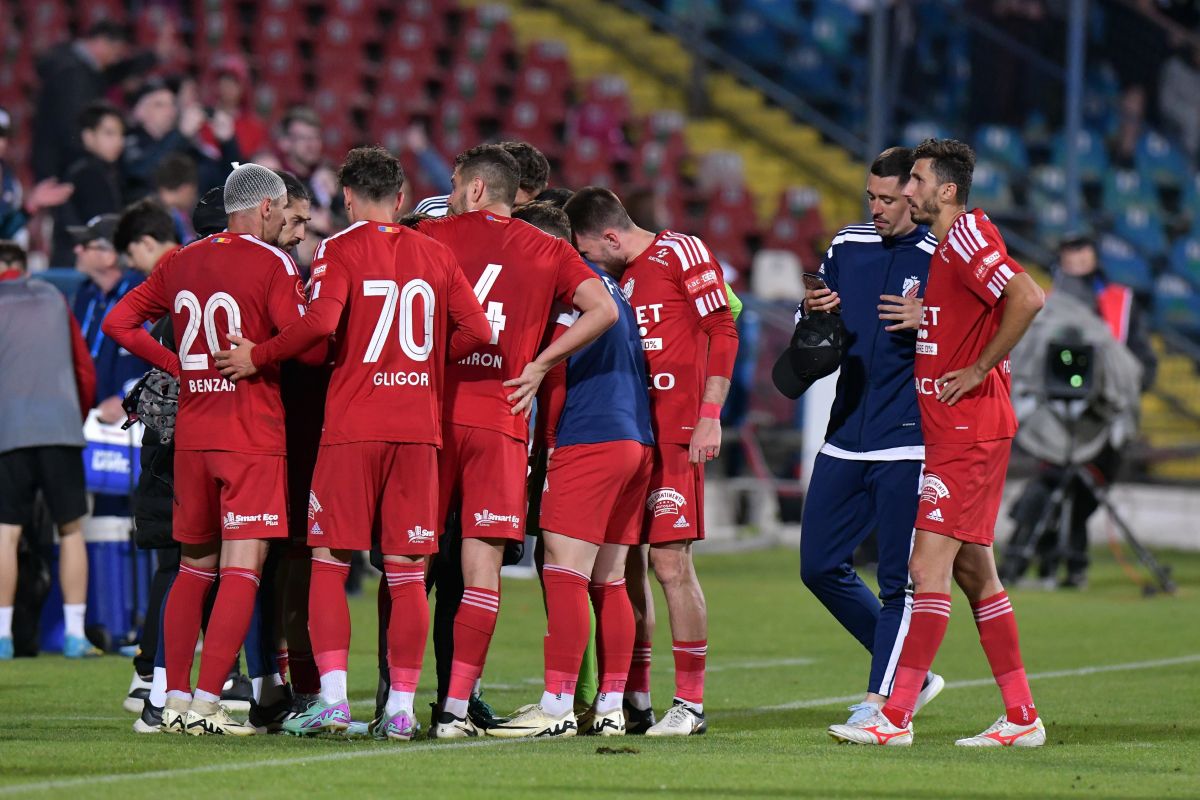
(473,628)
(181,624)
(998,635)
(567,627)
(689,669)
(930,616)
(408,625)
(329,615)
(639,669)
(227,627)
(615,630)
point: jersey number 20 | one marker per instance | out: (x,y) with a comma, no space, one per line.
(189,302)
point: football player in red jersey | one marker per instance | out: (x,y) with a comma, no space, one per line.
(518,272)
(229,444)
(978,305)
(383,416)
(690,342)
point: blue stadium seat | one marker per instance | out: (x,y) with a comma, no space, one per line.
(780,13)
(1177,306)
(1047,185)
(1157,159)
(808,70)
(1123,264)
(1185,259)
(752,39)
(1124,188)
(990,188)
(1142,228)
(1101,93)
(1003,146)
(1093,160)
(1052,223)
(919,130)
(834,24)
(65,279)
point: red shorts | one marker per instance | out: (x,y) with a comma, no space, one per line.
(962,489)
(675,500)
(375,491)
(483,472)
(225,495)
(595,492)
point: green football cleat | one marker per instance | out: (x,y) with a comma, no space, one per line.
(319,718)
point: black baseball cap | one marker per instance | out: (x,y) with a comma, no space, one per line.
(815,351)
(101,226)
(209,217)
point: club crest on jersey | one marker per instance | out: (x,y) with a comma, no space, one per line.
(388,228)
(933,489)
(314,505)
(419,535)
(666,501)
(912,285)
(627,289)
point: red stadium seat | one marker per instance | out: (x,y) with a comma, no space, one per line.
(529,121)
(413,40)
(273,31)
(586,163)
(88,14)
(467,84)
(798,226)
(721,231)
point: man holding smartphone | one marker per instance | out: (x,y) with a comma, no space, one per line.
(867,476)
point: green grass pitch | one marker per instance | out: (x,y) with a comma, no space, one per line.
(1114,675)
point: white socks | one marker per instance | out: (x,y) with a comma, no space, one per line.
(608,701)
(333,686)
(158,687)
(6,613)
(73,614)
(399,701)
(206,697)
(456,707)
(639,700)
(557,705)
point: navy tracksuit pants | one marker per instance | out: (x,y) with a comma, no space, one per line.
(846,500)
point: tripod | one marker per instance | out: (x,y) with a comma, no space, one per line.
(1020,549)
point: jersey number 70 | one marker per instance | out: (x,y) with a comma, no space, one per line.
(405,297)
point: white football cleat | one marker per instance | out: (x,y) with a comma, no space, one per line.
(212,719)
(1008,734)
(174,715)
(875,730)
(681,720)
(932,688)
(610,723)
(532,721)
(448,726)
(139,692)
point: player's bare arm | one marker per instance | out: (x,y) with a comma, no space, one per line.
(705,444)
(1023,300)
(903,312)
(598,314)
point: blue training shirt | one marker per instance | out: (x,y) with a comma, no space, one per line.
(874,414)
(607,395)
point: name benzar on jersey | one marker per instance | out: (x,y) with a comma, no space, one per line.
(199,385)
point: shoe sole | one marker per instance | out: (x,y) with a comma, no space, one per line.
(940,685)
(134,705)
(141,727)
(839,739)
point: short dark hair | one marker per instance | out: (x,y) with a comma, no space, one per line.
(96,112)
(532,166)
(498,169)
(299,114)
(952,161)
(373,173)
(414,219)
(13,253)
(296,190)
(108,29)
(147,217)
(895,162)
(557,196)
(545,217)
(594,209)
(174,171)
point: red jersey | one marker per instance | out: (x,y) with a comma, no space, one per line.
(677,291)
(963,305)
(225,283)
(389,295)
(518,272)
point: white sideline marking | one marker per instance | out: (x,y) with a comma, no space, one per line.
(70,783)
(767,663)
(1035,676)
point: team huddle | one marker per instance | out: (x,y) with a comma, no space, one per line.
(428,341)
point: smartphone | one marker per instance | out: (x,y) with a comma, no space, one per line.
(814,281)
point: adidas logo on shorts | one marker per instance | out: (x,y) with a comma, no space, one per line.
(935,515)
(316,529)
(681,522)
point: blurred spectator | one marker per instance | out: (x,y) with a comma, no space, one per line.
(106,282)
(95,176)
(1131,125)
(146,235)
(1179,98)
(71,76)
(15,207)
(300,149)
(177,183)
(233,97)
(46,379)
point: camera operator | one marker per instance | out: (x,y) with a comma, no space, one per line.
(1080,276)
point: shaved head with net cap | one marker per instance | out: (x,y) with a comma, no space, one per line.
(249,185)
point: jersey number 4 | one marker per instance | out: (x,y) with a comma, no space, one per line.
(495,310)
(405,297)
(187,301)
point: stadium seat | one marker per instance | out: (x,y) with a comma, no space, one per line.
(465,83)
(1185,259)
(1142,228)
(1089,150)
(586,163)
(722,233)
(751,38)
(1003,146)
(990,188)
(1122,263)
(405,76)
(1048,184)
(1177,306)
(88,14)
(805,66)
(798,226)
(834,25)
(1126,187)
(1052,223)
(530,121)
(919,130)
(275,31)
(777,275)
(413,40)
(1158,160)
(781,14)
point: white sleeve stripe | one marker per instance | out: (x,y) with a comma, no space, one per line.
(700,306)
(958,248)
(681,247)
(321,250)
(283,257)
(678,251)
(689,247)
(301,308)
(316,290)
(994,289)
(966,245)
(973,230)
(704,254)
(1005,271)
